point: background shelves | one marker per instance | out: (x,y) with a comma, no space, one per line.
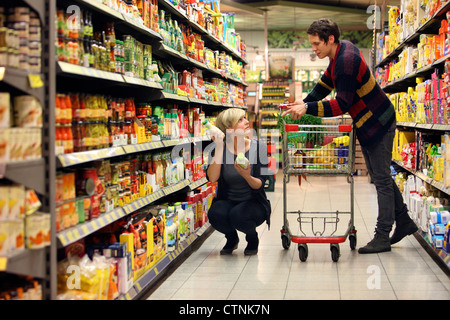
(26,262)
(29,173)
(20,80)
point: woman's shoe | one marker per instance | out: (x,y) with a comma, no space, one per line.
(252,245)
(231,245)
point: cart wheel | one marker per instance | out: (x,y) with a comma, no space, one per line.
(303,252)
(285,241)
(352,239)
(335,252)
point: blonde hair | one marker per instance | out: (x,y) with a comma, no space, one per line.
(229,118)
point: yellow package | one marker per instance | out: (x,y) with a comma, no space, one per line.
(4,238)
(4,203)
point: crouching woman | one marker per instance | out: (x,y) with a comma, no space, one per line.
(241,203)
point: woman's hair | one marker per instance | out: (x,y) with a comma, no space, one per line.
(228,118)
(324,28)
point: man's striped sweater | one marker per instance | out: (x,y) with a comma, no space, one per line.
(357,93)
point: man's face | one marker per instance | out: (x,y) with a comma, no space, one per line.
(320,48)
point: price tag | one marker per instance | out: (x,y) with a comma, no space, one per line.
(35,81)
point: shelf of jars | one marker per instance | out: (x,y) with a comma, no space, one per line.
(76,158)
(191,18)
(138,25)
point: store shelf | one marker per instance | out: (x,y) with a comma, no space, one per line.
(142,82)
(164,51)
(26,262)
(206,36)
(431,26)
(28,173)
(71,159)
(24,81)
(410,79)
(80,231)
(439,255)
(141,147)
(76,158)
(76,70)
(428,126)
(151,276)
(126,20)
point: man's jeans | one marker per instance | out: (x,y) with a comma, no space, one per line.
(390,201)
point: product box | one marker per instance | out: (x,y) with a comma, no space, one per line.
(150,244)
(4,203)
(438,241)
(124,273)
(27,111)
(139,128)
(4,145)
(5,238)
(447,238)
(5,109)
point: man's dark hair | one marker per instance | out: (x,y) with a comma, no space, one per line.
(324,28)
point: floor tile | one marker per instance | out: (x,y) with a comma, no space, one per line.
(407,272)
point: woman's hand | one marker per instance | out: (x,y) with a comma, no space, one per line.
(245,173)
(218,137)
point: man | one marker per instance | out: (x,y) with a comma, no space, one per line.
(374,122)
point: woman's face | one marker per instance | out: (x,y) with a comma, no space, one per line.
(242,127)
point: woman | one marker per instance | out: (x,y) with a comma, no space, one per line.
(241,203)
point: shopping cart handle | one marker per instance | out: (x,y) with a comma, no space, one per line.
(291,127)
(345,128)
(284,105)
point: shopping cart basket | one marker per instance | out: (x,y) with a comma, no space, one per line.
(318,150)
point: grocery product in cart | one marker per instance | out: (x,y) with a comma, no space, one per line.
(318,150)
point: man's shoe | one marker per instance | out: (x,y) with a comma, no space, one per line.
(380,243)
(231,245)
(404,226)
(252,245)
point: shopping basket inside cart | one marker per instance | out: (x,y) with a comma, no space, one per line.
(317,149)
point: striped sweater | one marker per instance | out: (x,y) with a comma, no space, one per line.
(357,93)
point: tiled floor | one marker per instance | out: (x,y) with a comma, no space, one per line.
(407,272)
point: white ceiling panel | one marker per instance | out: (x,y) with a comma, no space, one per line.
(281,15)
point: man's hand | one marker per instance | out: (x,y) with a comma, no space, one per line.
(297,110)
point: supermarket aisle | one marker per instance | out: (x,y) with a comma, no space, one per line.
(407,272)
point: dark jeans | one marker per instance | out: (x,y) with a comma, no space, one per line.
(390,201)
(227,216)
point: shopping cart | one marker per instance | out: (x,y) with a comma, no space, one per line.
(318,150)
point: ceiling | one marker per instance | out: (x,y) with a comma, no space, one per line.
(283,15)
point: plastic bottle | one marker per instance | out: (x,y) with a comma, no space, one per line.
(242,160)
(181,220)
(170,230)
(213,130)
(190,217)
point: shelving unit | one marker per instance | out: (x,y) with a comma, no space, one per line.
(272,94)
(58,76)
(430,26)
